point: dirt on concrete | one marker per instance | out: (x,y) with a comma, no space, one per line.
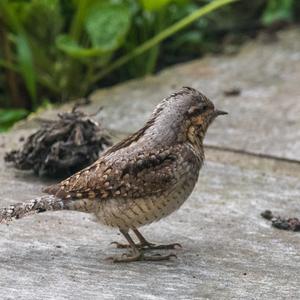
(292,224)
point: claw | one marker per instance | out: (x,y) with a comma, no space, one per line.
(159,257)
(168,246)
(131,257)
(120,245)
(109,258)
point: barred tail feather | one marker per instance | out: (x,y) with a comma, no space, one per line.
(37,205)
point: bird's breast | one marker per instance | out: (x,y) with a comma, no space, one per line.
(133,213)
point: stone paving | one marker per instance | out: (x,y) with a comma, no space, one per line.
(229,251)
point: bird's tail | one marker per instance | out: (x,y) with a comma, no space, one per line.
(37,205)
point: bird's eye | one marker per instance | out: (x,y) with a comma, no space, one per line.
(195,111)
(198,110)
(205,107)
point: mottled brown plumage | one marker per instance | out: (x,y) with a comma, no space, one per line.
(144,177)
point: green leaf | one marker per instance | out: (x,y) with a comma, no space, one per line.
(154,5)
(107,25)
(10,116)
(25,60)
(66,44)
(278,10)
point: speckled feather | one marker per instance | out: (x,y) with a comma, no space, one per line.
(133,176)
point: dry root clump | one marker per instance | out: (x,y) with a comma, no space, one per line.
(60,148)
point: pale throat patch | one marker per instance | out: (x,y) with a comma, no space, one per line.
(192,135)
(198,120)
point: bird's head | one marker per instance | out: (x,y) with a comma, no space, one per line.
(186,114)
(201,112)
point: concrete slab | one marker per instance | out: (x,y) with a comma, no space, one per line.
(229,251)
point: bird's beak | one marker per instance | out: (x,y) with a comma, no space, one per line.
(220,112)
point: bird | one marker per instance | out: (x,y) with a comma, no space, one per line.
(139,180)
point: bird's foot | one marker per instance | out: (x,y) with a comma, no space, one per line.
(151,246)
(139,256)
(148,246)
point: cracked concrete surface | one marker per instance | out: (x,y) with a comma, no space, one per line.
(229,251)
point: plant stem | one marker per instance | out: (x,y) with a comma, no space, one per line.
(152,59)
(76,26)
(10,73)
(154,52)
(72,65)
(162,36)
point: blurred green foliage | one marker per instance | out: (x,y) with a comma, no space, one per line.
(9,116)
(278,10)
(55,50)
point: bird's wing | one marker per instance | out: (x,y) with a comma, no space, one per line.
(140,175)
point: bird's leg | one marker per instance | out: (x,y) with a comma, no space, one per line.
(145,245)
(137,254)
